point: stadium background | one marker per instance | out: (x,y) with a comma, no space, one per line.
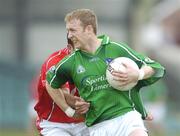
(32,29)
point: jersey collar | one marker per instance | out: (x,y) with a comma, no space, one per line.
(105,39)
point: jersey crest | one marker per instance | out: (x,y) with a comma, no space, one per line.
(80,69)
(52,69)
(108,60)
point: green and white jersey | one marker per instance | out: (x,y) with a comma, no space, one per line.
(88,73)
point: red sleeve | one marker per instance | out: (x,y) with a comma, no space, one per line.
(51,61)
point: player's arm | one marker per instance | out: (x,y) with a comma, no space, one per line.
(71,105)
(76,103)
(69,97)
(145,72)
(65,101)
(58,97)
(81,107)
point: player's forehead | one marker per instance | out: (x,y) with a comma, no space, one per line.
(73,24)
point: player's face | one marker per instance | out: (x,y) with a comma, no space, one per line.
(76,33)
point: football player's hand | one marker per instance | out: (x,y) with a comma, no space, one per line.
(130,75)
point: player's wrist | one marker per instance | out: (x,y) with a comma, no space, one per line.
(70,112)
(141,74)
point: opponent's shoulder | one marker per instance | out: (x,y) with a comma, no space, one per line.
(55,57)
(59,53)
(70,57)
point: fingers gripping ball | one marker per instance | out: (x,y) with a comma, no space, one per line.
(117,65)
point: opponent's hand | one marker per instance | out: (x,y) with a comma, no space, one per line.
(81,106)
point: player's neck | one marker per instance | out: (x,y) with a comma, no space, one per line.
(92,45)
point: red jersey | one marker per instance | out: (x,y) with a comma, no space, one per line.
(46,107)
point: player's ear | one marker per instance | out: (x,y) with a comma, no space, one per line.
(89,28)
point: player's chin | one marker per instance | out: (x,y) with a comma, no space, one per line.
(77,46)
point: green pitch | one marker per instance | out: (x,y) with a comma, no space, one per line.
(15,132)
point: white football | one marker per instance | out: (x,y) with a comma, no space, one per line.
(117,65)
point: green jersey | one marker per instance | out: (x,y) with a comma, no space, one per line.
(88,72)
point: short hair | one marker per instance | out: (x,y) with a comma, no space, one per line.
(86,16)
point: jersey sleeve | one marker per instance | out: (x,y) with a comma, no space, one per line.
(138,103)
(159,71)
(58,75)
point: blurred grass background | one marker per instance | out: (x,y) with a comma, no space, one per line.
(16,132)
